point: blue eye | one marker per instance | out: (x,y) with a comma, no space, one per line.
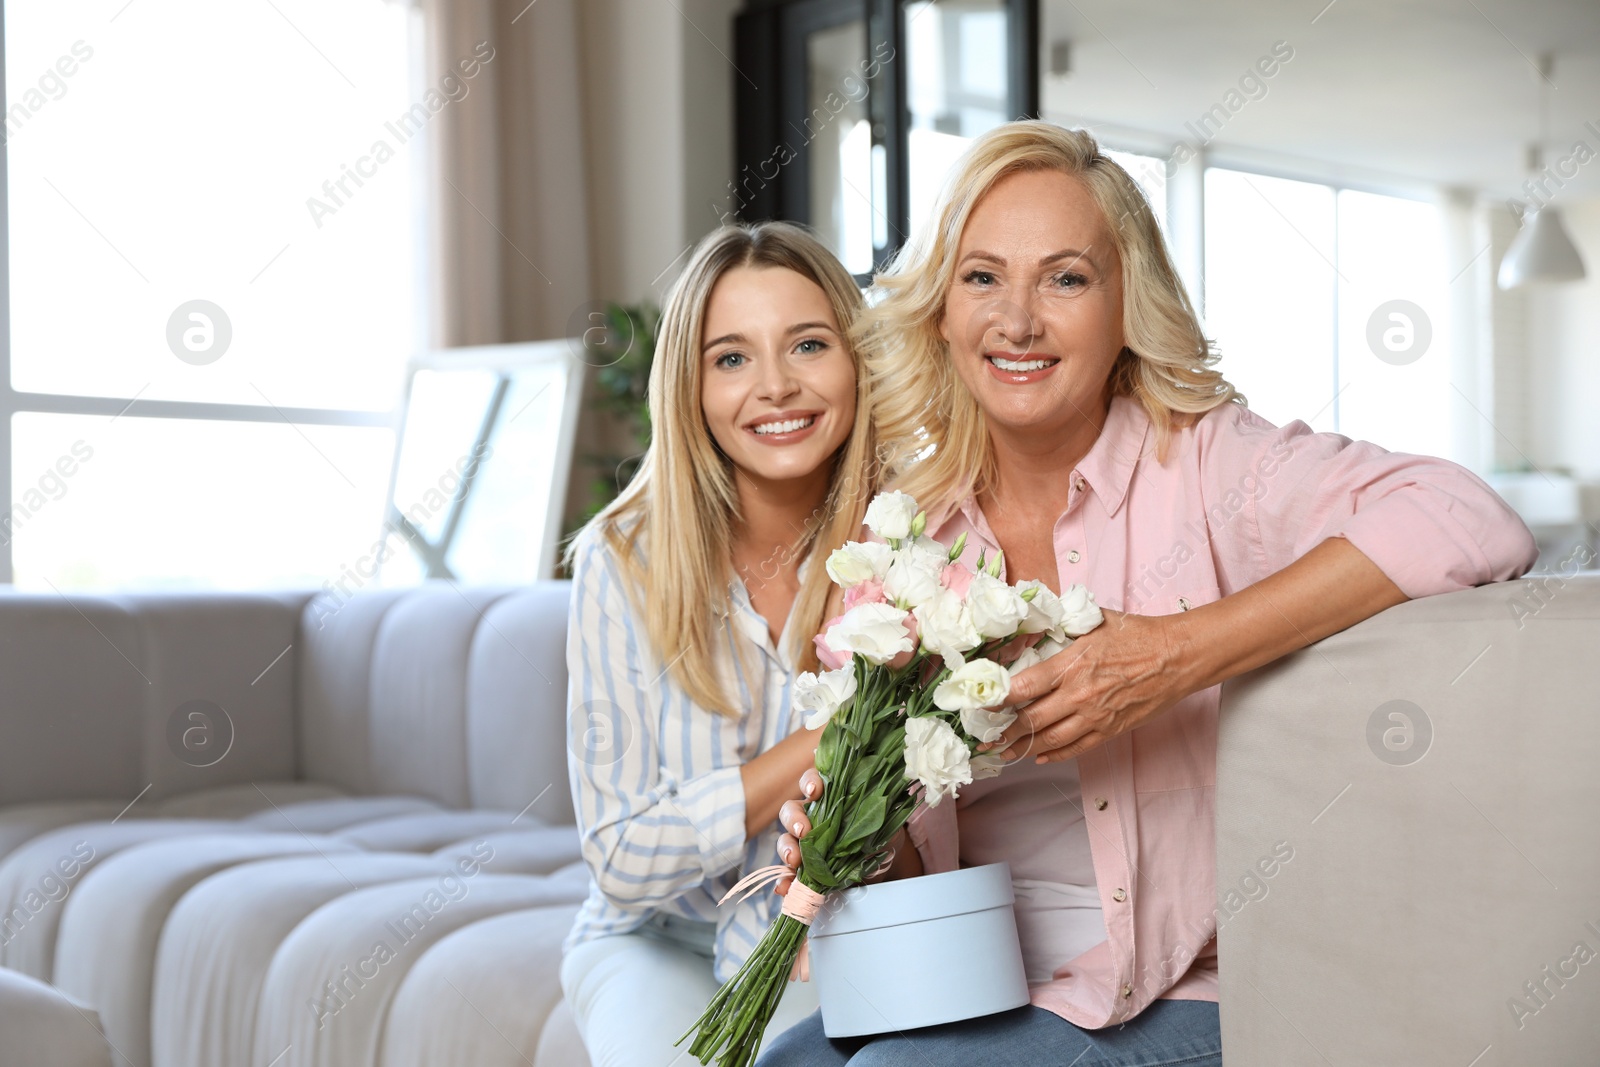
(811,345)
(1069,280)
(979,277)
(727,359)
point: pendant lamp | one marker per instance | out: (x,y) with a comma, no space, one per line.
(1542,250)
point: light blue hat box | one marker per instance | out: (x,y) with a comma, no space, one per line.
(918,952)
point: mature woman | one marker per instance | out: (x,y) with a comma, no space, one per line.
(1045,388)
(692,610)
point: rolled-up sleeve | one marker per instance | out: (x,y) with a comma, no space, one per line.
(646,835)
(1430,525)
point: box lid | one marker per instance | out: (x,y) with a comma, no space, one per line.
(911,900)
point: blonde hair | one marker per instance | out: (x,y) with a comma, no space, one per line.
(935,441)
(682,507)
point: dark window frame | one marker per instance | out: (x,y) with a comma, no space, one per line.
(772,174)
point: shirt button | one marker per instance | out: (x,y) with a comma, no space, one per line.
(1127,991)
(1183,603)
(1099,803)
(1073,557)
(1078,485)
(1119,895)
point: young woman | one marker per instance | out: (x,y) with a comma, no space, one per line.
(694,602)
(1047,389)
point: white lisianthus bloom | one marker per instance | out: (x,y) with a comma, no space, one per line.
(1045,611)
(1030,657)
(946,629)
(1079,612)
(937,757)
(997,609)
(913,579)
(875,632)
(983,683)
(928,553)
(890,515)
(986,724)
(986,765)
(859,561)
(820,695)
(973,690)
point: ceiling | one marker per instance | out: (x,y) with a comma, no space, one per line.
(1383,93)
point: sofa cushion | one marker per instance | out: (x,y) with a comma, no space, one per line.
(219,940)
(417,716)
(330,984)
(74,727)
(45,1028)
(337,635)
(530,850)
(233,651)
(424,831)
(111,924)
(482,995)
(233,801)
(38,877)
(516,706)
(20,823)
(336,813)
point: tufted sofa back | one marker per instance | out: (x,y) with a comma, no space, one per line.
(451,693)
(92,687)
(461,697)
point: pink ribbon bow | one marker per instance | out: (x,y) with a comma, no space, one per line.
(800,903)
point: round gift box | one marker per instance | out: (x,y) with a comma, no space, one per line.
(918,952)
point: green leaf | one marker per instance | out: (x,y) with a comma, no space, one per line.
(860,775)
(864,822)
(827,752)
(814,861)
(821,837)
(892,745)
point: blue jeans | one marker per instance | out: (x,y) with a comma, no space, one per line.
(1167,1032)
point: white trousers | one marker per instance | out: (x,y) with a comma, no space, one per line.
(633,995)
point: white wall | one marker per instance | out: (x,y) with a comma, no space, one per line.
(659,86)
(1564,357)
(658,89)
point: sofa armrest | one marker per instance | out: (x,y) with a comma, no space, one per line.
(1433,776)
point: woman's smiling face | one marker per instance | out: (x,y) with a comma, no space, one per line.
(778,385)
(1034,312)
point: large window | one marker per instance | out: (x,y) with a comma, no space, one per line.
(1329,306)
(215,212)
(1149,173)
(956,88)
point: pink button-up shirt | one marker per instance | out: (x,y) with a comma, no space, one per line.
(1236,500)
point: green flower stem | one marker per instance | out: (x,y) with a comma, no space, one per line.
(866,775)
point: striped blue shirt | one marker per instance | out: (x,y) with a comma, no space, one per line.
(655,777)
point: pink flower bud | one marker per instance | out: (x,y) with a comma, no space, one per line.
(829,658)
(868,592)
(956,578)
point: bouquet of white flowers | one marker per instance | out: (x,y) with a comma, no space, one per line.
(921,663)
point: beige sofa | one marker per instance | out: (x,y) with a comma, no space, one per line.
(378,867)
